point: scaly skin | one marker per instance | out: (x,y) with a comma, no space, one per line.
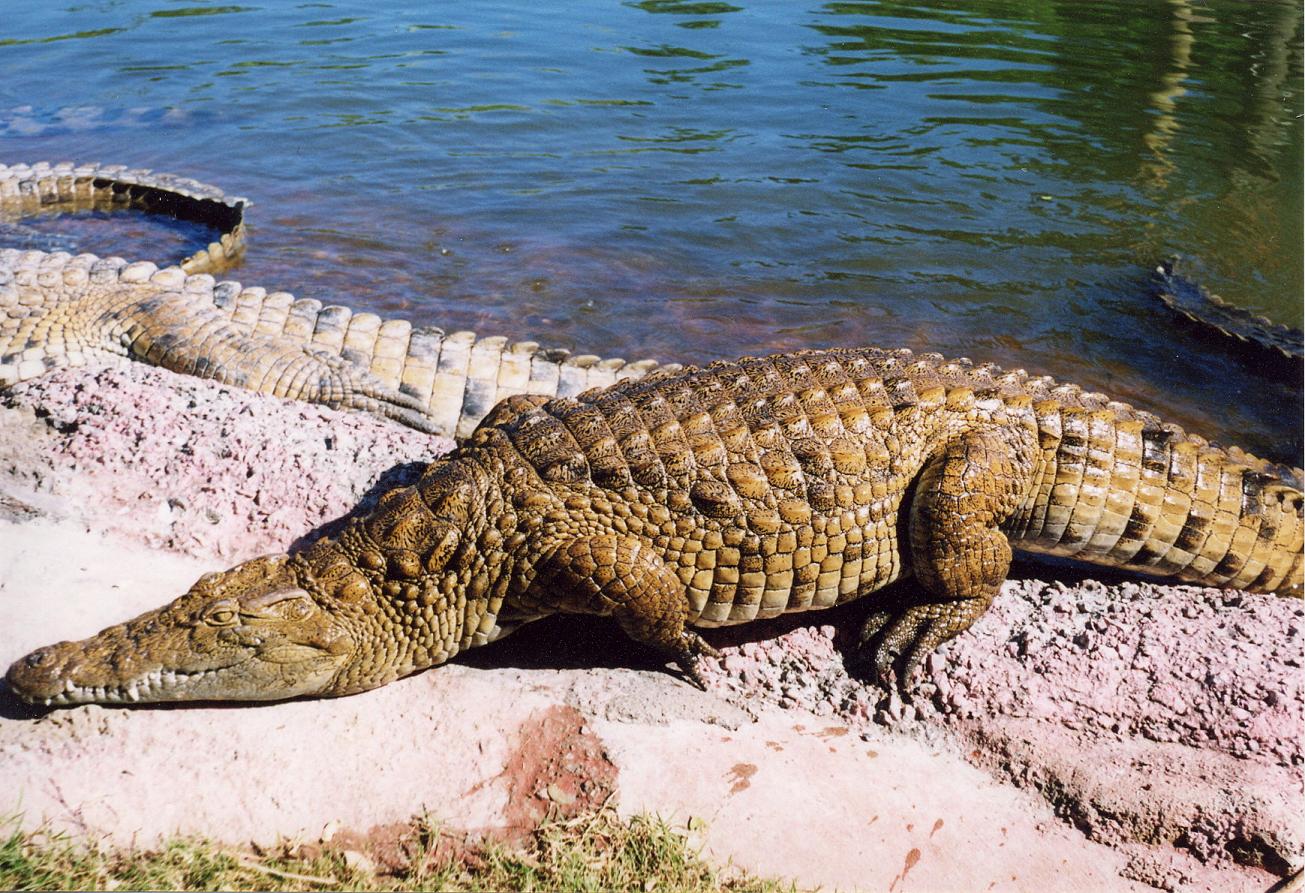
(709,497)
(60,310)
(1273,341)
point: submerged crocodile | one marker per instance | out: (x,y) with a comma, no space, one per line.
(1276,342)
(706,497)
(57,309)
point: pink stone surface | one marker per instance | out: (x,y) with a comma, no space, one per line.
(1080,736)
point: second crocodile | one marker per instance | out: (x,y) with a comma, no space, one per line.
(57,309)
(1277,343)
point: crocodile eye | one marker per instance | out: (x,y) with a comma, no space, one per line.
(297,609)
(223,616)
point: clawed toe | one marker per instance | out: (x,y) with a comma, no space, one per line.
(690,670)
(901,642)
(706,650)
(692,646)
(359,389)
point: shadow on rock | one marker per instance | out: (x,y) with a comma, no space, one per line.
(14,707)
(565,642)
(404,474)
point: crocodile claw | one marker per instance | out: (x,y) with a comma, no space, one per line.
(691,647)
(900,640)
(356,388)
(400,407)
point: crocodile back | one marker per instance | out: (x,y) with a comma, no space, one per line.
(770,485)
(778,484)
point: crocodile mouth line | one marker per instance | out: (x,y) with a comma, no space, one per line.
(146,688)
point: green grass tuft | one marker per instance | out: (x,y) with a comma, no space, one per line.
(597,852)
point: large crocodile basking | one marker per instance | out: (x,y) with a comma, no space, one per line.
(706,497)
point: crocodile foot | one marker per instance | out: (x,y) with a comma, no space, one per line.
(889,650)
(895,640)
(692,646)
(346,386)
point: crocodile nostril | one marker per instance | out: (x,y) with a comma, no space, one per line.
(42,657)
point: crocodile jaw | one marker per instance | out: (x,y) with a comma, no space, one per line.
(83,673)
(248,634)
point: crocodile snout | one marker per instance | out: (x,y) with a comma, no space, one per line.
(38,675)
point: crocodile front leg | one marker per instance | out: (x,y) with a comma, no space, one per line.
(621,577)
(959,554)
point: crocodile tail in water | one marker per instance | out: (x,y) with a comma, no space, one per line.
(26,190)
(423,376)
(1214,315)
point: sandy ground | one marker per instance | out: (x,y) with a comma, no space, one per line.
(1084,735)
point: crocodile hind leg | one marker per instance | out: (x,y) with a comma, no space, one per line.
(959,555)
(621,577)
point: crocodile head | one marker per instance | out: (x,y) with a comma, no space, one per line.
(249,634)
(400,589)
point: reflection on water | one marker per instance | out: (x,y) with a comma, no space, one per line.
(700,179)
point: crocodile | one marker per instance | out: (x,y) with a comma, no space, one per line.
(706,497)
(1277,343)
(58,309)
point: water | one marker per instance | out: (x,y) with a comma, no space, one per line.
(692,180)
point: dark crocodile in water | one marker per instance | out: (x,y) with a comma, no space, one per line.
(1214,316)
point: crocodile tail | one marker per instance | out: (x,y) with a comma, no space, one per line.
(1118,487)
(27,189)
(444,383)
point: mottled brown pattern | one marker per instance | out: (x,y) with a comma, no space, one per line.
(718,496)
(62,310)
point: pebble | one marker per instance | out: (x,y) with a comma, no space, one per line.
(359,862)
(559,796)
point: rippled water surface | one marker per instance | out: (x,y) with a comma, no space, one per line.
(691,180)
